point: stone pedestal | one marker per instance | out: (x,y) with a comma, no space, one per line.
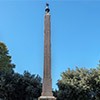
(47,98)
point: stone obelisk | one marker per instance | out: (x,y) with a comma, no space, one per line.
(47,80)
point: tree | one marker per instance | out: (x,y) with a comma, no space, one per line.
(20,87)
(79,84)
(14,86)
(5,59)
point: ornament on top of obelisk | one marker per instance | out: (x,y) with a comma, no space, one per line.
(47,80)
(47,10)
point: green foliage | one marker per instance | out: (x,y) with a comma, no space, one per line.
(14,86)
(5,59)
(79,84)
(20,87)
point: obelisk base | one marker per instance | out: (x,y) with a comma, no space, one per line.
(46,98)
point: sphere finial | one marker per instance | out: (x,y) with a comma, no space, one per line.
(47,10)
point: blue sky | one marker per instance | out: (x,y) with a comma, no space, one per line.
(75,34)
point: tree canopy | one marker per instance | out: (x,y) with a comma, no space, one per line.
(20,87)
(79,84)
(15,86)
(5,59)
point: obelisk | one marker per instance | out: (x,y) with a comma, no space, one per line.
(47,80)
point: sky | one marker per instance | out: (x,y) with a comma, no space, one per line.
(75,34)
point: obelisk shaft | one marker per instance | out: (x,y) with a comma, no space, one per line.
(47,81)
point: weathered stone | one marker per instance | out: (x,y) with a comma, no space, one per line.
(47,80)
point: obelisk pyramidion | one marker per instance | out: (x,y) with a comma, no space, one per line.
(47,80)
